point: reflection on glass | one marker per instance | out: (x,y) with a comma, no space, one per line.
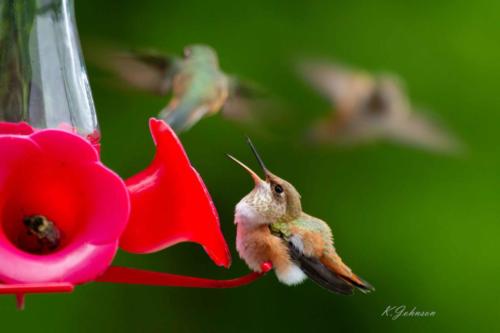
(42,74)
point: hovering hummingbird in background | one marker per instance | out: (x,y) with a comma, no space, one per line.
(199,87)
(271,226)
(48,236)
(370,107)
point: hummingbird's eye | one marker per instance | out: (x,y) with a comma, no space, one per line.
(278,189)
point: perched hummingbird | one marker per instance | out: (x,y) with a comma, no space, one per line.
(371,107)
(199,87)
(271,226)
(46,232)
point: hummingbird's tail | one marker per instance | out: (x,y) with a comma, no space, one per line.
(363,285)
(329,272)
(335,265)
(182,114)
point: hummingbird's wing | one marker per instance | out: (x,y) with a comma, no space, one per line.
(147,71)
(244,99)
(418,129)
(344,87)
(318,272)
(302,252)
(311,246)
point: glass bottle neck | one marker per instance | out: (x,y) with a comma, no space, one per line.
(43,80)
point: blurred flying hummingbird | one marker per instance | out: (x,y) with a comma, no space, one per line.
(199,87)
(271,226)
(370,107)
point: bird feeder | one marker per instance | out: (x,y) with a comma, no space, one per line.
(50,167)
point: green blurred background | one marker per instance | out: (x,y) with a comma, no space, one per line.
(420,227)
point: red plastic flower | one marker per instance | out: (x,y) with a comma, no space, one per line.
(170,203)
(56,174)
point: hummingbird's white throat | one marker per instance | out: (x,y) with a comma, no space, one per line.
(253,209)
(245,214)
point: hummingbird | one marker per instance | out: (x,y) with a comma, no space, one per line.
(198,85)
(46,232)
(271,226)
(370,107)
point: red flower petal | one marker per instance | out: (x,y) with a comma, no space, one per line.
(21,128)
(65,150)
(57,174)
(170,203)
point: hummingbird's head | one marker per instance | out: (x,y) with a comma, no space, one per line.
(200,53)
(272,198)
(387,96)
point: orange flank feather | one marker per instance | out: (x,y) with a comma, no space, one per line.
(257,245)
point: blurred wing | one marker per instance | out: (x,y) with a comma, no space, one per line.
(342,86)
(244,97)
(148,71)
(319,273)
(420,130)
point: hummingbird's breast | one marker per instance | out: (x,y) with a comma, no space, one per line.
(256,245)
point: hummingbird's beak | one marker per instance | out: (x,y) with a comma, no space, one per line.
(257,156)
(254,176)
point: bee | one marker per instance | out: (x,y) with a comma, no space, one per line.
(47,234)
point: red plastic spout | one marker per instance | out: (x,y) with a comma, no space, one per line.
(20,290)
(117,274)
(170,203)
(36,288)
